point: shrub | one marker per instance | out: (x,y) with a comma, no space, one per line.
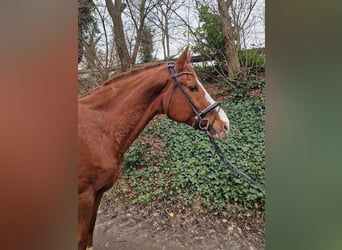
(252,58)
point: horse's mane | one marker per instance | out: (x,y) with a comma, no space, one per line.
(124,75)
(132,72)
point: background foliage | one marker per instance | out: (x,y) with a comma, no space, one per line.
(209,35)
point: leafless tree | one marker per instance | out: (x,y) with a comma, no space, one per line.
(245,20)
(165,19)
(115,10)
(137,12)
(231,48)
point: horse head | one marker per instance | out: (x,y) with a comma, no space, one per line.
(187,101)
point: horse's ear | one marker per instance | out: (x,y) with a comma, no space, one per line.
(183,60)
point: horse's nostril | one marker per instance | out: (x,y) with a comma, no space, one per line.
(225,127)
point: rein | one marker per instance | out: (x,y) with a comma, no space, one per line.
(199,114)
(198,124)
(231,165)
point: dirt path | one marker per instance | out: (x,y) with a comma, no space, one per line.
(154,227)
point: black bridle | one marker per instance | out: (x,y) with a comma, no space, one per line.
(199,123)
(199,115)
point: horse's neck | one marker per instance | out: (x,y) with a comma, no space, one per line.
(128,109)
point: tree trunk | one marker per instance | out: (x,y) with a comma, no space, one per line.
(90,52)
(136,46)
(231,52)
(80,46)
(146,45)
(84,20)
(163,43)
(139,30)
(164,26)
(167,38)
(115,12)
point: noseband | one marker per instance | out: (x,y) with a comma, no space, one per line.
(200,115)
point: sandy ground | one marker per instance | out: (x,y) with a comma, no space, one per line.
(152,226)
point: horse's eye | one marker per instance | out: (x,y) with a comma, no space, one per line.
(193,88)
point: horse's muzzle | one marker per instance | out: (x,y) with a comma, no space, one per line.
(218,131)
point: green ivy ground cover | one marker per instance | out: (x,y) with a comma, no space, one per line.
(175,162)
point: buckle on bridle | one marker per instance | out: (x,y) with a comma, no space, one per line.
(200,117)
(204,127)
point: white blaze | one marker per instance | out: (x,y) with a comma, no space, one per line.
(221,114)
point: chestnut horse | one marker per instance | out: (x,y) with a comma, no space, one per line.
(111,117)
